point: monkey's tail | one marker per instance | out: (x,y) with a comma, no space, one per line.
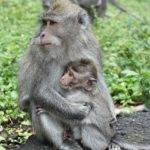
(117,5)
(121,8)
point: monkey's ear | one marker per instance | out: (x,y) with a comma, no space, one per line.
(46,4)
(83,19)
(89,84)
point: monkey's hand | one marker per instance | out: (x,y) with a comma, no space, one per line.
(83,107)
(53,102)
(24,103)
(40,111)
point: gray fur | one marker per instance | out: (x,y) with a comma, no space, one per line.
(95,130)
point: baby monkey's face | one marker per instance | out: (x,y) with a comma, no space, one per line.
(73,80)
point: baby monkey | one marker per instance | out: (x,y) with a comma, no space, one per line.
(80,83)
(80,74)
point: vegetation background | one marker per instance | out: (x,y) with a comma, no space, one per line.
(126,50)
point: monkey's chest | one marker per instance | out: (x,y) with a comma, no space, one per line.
(54,73)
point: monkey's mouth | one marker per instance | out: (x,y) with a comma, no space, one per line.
(43,44)
(49,45)
(66,87)
(46,44)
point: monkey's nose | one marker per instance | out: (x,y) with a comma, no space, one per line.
(63,81)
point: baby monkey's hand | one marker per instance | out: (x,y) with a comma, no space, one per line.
(40,111)
(86,107)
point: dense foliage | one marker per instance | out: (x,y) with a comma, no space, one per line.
(124,38)
(17,23)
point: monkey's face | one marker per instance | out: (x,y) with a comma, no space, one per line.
(60,25)
(69,79)
(74,80)
(49,35)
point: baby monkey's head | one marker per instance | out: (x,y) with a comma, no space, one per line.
(79,74)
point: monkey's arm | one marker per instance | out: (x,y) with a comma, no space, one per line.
(101,84)
(104,92)
(45,96)
(52,101)
(25,77)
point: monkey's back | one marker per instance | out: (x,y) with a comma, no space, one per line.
(101,117)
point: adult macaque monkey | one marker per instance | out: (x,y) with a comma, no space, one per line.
(64,36)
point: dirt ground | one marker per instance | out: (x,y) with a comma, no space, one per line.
(134,128)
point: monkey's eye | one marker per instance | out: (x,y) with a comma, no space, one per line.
(89,82)
(52,22)
(44,22)
(70,74)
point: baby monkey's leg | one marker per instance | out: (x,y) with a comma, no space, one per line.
(53,130)
(93,139)
(77,132)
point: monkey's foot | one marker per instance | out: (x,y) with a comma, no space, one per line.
(70,145)
(40,111)
(114,147)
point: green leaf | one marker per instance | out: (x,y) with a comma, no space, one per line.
(129,73)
